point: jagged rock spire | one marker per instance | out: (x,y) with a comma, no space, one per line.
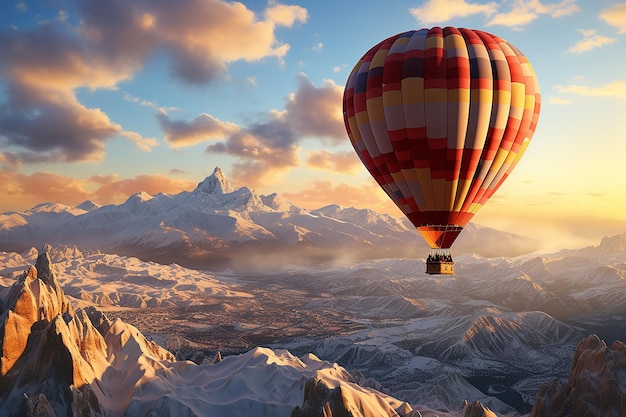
(44,271)
(216,183)
(476,409)
(595,386)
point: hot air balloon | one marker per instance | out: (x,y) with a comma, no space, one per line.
(440,117)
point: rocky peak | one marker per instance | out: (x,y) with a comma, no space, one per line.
(320,400)
(595,387)
(216,183)
(44,270)
(612,245)
(476,409)
(44,346)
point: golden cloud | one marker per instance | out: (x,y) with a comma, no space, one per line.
(29,190)
(42,118)
(613,89)
(615,16)
(286,15)
(114,190)
(345,162)
(591,40)
(437,11)
(368,195)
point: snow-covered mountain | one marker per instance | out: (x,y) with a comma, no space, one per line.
(215,224)
(488,333)
(56,359)
(59,361)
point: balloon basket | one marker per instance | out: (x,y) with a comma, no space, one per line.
(439,263)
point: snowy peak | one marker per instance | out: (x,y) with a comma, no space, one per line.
(216,183)
(88,205)
(278,203)
(137,198)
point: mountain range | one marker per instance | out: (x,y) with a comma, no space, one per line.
(57,359)
(190,272)
(217,226)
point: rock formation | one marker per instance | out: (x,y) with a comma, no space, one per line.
(322,401)
(46,348)
(476,409)
(596,384)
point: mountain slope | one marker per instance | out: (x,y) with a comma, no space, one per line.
(56,361)
(216,223)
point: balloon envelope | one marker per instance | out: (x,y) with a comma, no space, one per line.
(440,117)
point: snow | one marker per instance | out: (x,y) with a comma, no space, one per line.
(119,281)
(213,217)
(261,382)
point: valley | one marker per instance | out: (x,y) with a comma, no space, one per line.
(426,340)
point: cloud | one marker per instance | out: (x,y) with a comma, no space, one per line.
(615,16)
(28,190)
(559,100)
(265,150)
(525,11)
(313,111)
(323,191)
(200,129)
(269,148)
(613,89)
(346,162)
(591,40)
(285,15)
(112,189)
(52,126)
(440,11)
(42,68)
(10,161)
(203,36)
(143,144)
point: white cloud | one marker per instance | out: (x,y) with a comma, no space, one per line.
(525,11)
(591,40)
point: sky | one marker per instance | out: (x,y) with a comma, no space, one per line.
(103,99)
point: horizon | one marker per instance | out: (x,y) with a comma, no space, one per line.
(87,113)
